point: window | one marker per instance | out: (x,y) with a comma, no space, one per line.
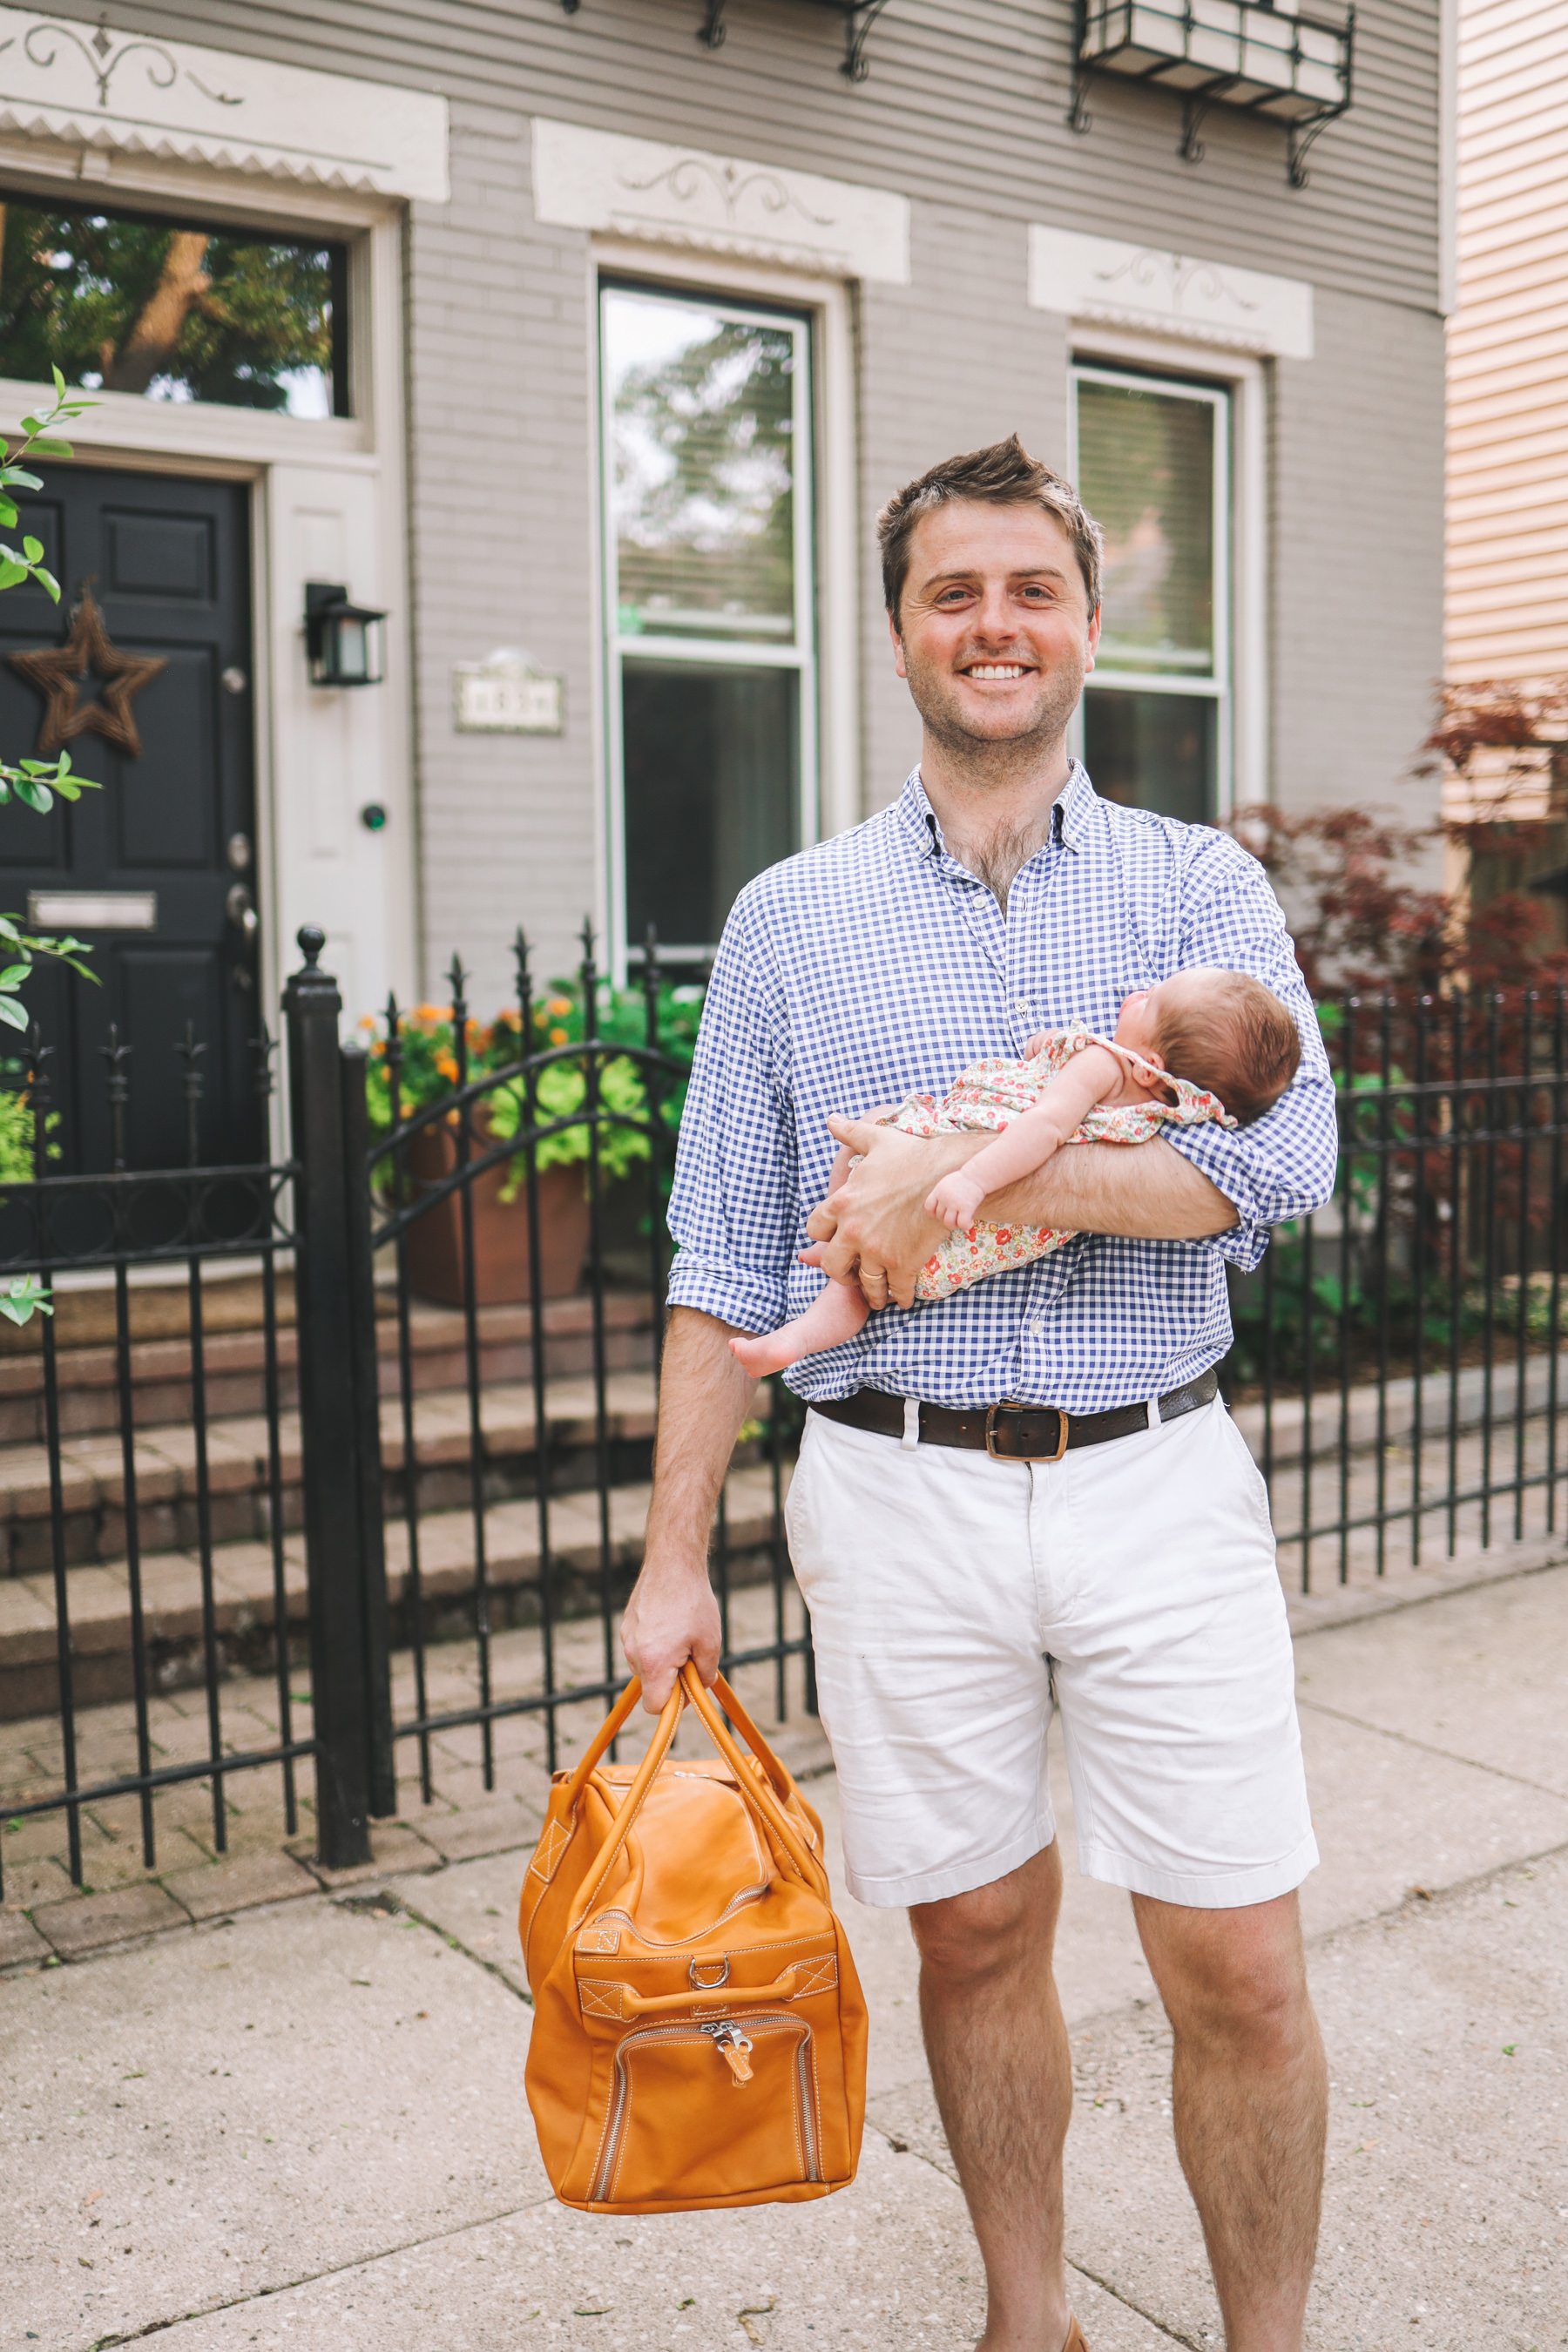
(709,603)
(173,310)
(1152,467)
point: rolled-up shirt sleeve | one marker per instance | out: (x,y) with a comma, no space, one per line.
(1281,1167)
(734,1207)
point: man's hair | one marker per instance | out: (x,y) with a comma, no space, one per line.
(1240,1044)
(1003,476)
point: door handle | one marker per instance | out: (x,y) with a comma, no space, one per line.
(240,908)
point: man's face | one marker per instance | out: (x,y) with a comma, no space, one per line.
(994,634)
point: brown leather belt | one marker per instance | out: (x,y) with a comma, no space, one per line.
(1013,1433)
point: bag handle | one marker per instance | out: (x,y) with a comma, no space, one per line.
(602,1737)
(631,1805)
(760,1795)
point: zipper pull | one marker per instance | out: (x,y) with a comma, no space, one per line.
(731,2045)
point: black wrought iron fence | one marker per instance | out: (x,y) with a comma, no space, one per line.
(1398,1360)
(600,1110)
(124,1224)
(458,1279)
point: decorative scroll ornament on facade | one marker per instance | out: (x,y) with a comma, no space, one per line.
(123,93)
(721,203)
(1141,286)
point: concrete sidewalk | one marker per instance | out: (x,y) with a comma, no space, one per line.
(302,2125)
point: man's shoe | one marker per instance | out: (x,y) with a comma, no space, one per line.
(1074,2342)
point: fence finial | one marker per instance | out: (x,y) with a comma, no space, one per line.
(310,939)
(191,1053)
(524,980)
(263,1046)
(117,1086)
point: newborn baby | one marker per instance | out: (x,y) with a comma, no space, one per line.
(1233,1037)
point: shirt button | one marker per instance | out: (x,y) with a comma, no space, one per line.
(1037,1326)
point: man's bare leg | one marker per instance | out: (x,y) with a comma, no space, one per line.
(1003,2073)
(1249,2098)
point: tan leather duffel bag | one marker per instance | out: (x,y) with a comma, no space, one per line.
(699,2032)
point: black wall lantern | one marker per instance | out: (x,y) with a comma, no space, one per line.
(343,640)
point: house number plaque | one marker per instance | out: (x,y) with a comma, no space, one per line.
(505,695)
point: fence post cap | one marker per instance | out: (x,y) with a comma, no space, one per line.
(310,939)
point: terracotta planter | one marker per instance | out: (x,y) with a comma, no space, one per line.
(501,1267)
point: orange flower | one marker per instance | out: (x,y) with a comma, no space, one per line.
(558,1006)
(447,1067)
(367,1020)
(558,1036)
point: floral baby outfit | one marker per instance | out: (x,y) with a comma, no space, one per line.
(988,1096)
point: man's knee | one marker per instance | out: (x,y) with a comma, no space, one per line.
(992,1929)
(1238,1978)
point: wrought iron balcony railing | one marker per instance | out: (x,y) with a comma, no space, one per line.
(1271,58)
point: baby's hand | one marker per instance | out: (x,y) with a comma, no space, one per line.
(1035,1044)
(956,1199)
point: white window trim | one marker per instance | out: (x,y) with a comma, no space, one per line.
(1243,764)
(199,438)
(827,303)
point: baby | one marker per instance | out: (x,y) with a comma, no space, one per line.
(1236,1038)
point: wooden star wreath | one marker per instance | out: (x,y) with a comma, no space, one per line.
(54,671)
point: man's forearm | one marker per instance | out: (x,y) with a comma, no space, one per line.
(703,1395)
(1145,1189)
(702,1399)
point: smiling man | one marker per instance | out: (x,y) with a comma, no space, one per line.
(1029,1495)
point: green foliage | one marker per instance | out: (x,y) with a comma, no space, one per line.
(430,1071)
(34,783)
(22,947)
(23,1296)
(129,305)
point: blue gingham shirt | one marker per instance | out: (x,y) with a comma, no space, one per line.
(876,966)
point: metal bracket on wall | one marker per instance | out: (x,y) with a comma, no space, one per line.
(1301,137)
(859,16)
(1194,109)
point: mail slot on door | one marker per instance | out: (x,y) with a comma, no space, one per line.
(94,910)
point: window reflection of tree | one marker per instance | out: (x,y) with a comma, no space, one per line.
(124,304)
(704,479)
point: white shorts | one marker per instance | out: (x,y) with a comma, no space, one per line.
(954,1599)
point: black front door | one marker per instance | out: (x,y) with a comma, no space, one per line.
(157,870)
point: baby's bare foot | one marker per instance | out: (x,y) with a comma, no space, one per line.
(771,1353)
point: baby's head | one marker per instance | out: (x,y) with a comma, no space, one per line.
(1222,1030)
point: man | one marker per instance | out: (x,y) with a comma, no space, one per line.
(1028,1493)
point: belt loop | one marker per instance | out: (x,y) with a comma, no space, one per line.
(911,1436)
(1154,1412)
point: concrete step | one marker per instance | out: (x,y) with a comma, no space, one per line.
(238,1491)
(234,1352)
(244,1600)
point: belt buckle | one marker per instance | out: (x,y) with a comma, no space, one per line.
(1011,1405)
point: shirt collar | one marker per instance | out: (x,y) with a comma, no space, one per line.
(1070,813)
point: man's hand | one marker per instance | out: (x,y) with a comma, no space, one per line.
(876,1218)
(671,1617)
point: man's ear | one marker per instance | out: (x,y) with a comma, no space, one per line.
(898,647)
(1093,635)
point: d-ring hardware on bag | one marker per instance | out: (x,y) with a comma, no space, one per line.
(1012,1406)
(709,1984)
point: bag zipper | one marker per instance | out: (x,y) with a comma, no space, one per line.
(730,2031)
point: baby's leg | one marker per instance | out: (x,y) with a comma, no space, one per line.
(827,1322)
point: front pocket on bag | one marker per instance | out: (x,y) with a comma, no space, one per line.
(684,2123)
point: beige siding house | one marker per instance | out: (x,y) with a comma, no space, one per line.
(1507,586)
